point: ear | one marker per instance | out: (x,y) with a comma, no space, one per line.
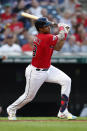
(41,29)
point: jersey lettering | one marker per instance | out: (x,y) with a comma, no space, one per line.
(54,37)
(34,50)
(37,40)
(42,50)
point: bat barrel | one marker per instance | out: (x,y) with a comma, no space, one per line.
(29,16)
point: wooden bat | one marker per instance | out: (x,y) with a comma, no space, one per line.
(29,16)
(33,17)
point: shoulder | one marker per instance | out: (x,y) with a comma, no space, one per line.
(16,45)
(47,36)
(52,37)
(4,46)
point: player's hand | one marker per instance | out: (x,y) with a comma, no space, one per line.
(66,27)
(54,24)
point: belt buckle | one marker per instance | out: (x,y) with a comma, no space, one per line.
(37,69)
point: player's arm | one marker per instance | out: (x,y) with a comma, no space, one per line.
(63,31)
(59,45)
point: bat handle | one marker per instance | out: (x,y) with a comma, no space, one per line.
(54,24)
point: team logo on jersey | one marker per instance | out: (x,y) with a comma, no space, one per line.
(37,40)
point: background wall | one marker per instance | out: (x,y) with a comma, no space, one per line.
(47,100)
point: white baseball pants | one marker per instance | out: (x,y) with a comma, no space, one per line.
(34,80)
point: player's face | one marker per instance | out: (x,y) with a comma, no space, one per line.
(45,29)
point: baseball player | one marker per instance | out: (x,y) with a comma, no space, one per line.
(40,70)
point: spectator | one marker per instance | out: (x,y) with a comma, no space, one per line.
(71,45)
(1,23)
(19,7)
(73,25)
(84,43)
(66,17)
(74,46)
(12,22)
(43,2)
(10,45)
(29,45)
(60,5)
(16,26)
(44,12)
(1,8)
(1,34)
(32,30)
(7,15)
(78,17)
(50,17)
(78,7)
(36,8)
(26,22)
(70,4)
(47,2)
(84,19)
(23,37)
(78,13)
(79,33)
(54,30)
(63,5)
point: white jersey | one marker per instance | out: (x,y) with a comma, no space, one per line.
(36,11)
(6,48)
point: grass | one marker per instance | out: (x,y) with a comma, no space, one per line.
(43,124)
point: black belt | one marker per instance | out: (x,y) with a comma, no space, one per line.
(37,69)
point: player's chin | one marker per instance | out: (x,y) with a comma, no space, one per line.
(47,32)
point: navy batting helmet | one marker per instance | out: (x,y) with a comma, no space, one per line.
(42,22)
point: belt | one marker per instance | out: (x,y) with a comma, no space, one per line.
(37,69)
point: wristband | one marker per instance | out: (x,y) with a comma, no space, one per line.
(65,36)
(61,28)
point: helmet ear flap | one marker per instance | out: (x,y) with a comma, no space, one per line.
(39,24)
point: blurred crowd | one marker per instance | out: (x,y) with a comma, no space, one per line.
(17,32)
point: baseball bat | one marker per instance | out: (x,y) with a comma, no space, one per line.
(24,14)
(33,17)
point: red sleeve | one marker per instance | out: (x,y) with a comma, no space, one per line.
(53,39)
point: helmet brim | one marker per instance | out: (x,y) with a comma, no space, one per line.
(47,23)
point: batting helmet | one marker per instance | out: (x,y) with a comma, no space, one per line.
(42,22)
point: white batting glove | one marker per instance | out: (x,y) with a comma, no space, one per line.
(61,35)
(66,27)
